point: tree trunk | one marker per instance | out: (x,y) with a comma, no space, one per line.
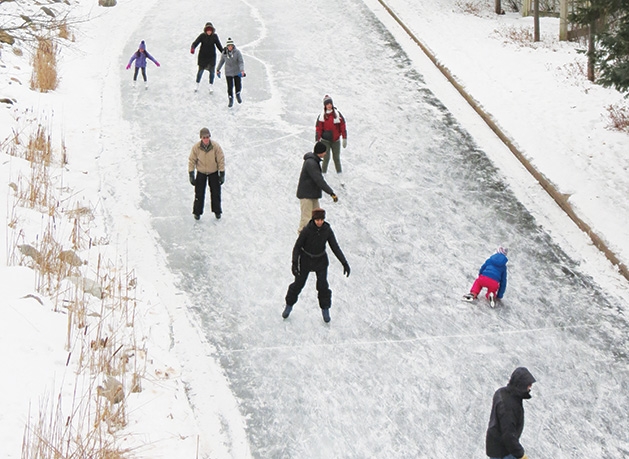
(591,51)
(498,7)
(536,20)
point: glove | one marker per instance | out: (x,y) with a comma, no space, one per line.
(295,270)
(344,143)
(221,177)
(191,50)
(524,457)
(335,198)
(346,269)
(128,66)
(157,63)
(193,182)
(242,74)
(218,73)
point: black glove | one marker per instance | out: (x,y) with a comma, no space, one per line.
(221,177)
(193,182)
(346,269)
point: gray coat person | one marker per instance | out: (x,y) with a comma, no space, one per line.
(231,58)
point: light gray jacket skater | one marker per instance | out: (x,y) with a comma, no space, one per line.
(234,70)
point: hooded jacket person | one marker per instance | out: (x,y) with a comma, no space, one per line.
(206,59)
(506,421)
(492,276)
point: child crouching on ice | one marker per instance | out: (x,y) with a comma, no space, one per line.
(492,276)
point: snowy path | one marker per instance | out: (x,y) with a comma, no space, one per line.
(405,369)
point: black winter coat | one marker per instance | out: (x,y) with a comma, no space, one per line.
(506,421)
(207,52)
(309,251)
(311,180)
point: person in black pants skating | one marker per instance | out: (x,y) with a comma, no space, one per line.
(209,161)
(309,255)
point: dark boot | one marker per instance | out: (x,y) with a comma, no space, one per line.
(231,101)
(238,98)
(287,311)
(326,315)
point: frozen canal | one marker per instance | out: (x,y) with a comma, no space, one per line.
(405,369)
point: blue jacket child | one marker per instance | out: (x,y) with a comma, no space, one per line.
(492,276)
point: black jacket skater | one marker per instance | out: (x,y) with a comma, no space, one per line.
(309,251)
(309,255)
(207,52)
(506,421)
(311,180)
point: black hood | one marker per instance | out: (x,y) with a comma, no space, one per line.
(521,379)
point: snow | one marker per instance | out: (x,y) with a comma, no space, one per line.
(404,369)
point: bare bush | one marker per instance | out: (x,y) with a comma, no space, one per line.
(518,35)
(473,7)
(618,117)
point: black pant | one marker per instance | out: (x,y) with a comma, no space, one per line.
(323,288)
(135,73)
(231,81)
(199,193)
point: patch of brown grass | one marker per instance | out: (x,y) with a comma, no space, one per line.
(44,77)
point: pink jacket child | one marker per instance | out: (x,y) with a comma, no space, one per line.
(492,276)
(140,57)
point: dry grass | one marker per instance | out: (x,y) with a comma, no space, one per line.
(98,297)
(618,117)
(44,77)
(64,30)
(474,7)
(522,36)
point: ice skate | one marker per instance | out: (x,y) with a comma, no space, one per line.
(469,297)
(492,301)
(211,88)
(196,88)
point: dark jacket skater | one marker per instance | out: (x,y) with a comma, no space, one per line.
(312,184)
(309,255)
(506,421)
(209,42)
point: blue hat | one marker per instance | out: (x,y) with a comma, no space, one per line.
(142,46)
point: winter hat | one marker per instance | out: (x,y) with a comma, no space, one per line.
(204,132)
(319,148)
(503,250)
(327,100)
(229,42)
(318,214)
(208,25)
(142,46)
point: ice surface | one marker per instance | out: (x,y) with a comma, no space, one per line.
(405,369)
